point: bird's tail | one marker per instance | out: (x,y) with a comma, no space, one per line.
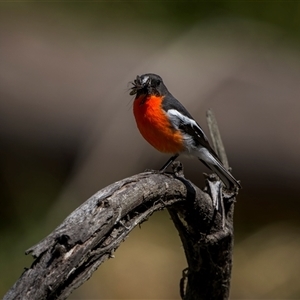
(216,166)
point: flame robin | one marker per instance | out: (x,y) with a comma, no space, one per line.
(168,126)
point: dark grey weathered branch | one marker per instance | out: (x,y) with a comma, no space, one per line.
(69,255)
(73,251)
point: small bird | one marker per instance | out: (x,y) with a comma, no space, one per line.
(168,126)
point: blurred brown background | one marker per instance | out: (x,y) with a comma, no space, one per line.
(67,130)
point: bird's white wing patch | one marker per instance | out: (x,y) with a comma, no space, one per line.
(182,122)
(193,135)
(178,118)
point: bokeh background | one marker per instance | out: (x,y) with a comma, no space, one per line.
(67,130)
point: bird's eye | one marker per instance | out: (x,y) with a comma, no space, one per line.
(158,82)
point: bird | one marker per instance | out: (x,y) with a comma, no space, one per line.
(167,125)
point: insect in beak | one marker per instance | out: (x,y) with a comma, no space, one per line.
(139,84)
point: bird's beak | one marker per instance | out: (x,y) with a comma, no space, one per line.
(139,84)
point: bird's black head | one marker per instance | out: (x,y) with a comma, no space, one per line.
(148,84)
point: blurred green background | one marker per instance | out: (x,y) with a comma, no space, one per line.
(67,130)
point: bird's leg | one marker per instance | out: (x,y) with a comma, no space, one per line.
(165,166)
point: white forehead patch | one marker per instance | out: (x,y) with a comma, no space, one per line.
(145,79)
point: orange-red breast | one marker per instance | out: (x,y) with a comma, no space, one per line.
(168,126)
